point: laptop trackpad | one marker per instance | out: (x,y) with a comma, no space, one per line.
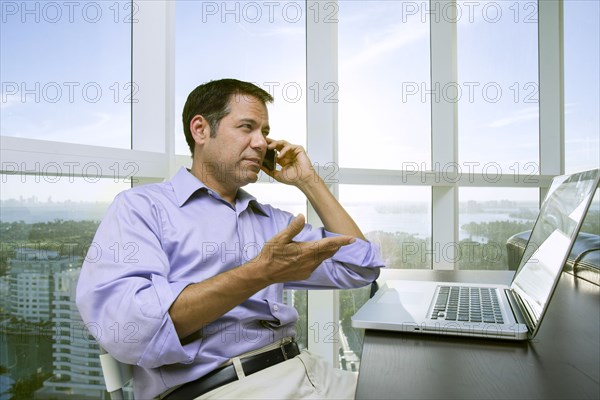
(394,296)
(407,297)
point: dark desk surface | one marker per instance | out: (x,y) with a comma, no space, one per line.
(561,362)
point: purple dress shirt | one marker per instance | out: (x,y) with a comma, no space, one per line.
(157,239)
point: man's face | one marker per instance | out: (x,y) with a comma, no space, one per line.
(235,154)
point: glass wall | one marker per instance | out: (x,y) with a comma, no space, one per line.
(582,84)
(48,224)
(397,218)
(497,89)
(259,42)
(487,218)
(68,91)
(65,69)
(56,81)
(384,106)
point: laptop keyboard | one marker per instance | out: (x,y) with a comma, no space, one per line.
(467,304)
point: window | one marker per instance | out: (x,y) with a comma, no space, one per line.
(487,218)
(591,223)
(56,82)
(384,111)
(47,224)
(582,85)
(68,91)
(66,97)
(397,218)
(497,89)
(260,42)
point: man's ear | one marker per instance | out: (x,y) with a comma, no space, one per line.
(200,129)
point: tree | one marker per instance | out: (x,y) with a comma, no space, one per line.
(23,389)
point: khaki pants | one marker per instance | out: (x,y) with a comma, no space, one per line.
(305,376)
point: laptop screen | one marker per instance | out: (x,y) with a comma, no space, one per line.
(551,240)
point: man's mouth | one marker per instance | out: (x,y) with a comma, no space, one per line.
(254,160)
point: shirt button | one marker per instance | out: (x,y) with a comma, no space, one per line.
(275,307)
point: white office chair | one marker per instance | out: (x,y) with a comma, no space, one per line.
(116,375)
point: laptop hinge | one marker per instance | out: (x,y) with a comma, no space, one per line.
(516,306)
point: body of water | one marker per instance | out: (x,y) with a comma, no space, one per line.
(370,219)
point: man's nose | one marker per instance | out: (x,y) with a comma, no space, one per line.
(259,141)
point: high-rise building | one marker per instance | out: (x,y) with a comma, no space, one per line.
(76,363)
(30,282)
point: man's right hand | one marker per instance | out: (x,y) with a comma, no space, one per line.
(280,260)
(284,260)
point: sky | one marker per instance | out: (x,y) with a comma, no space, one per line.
(65,72)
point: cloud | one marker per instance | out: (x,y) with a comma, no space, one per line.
(9,101)
(400,36)
(96,127)
(521,116)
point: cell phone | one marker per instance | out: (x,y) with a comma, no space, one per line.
(270,159)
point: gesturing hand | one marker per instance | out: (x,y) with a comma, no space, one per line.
(285,260)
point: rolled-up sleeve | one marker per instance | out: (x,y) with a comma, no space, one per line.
(352,266)
(124,290)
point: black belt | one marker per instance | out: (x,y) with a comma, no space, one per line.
(227,374)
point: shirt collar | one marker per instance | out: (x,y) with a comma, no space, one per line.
(185,184)
(245,199)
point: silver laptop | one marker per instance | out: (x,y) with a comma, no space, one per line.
(497,311)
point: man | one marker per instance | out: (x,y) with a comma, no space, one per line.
(193,299)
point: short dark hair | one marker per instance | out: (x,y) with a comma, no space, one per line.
(212,99)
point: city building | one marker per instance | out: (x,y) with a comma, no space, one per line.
(75,353)
(30,281)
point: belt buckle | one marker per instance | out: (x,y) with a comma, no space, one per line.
(285,356)
(293,346)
